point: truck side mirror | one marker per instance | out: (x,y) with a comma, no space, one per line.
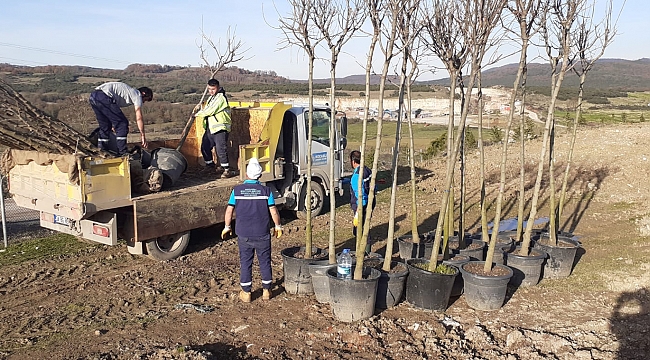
(344,144)
(344,126)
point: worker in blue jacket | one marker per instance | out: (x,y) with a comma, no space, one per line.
(357,196)
(252,202)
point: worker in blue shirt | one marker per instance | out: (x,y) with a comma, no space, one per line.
(252,202)
(355,195)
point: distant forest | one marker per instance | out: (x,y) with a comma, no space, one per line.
(170,83)
(62,91)
(608,78)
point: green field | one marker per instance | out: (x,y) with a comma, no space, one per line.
(604,116)
(422,134)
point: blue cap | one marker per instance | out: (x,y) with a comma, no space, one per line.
(346,251)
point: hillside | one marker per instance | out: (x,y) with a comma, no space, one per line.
(607,74)
(631,75)
(62,91)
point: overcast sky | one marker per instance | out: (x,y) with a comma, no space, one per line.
(118,33)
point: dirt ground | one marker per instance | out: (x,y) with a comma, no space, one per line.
(102,303)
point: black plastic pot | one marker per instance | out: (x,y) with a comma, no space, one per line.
(319,280)
(297,279)
(505,242)
(475,253)
(428,290)
(499,255)
(459,283)
(485,292)
(172,164)
(353,300)
(559,262)
(527,270)
(390,288)
(410,250)
(368,256)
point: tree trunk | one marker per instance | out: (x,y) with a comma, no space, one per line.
(450,176)
(481,145)
(574,134)
(308,232)
(414,206)
(449,220)
(556,83)
(364,136)
(522,157)
(504,160)
(332,238)
(358,272)
(398,136)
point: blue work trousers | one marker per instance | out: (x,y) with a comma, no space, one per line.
(220,142)
(110,117)
(248,246)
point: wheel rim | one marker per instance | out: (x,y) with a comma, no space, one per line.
(168,243)
(315,199)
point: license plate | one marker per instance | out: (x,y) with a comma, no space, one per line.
(58,219)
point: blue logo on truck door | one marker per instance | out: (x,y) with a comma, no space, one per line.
(319,158)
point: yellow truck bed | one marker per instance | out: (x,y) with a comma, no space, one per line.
(91,197)
(102,186)
(67,185)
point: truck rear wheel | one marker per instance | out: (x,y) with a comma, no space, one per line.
(317,201)
(168,247)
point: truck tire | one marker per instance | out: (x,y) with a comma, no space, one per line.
(317,202)
(168,247)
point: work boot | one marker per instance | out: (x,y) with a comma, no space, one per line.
(266,294)
(207,171)
(245,296)
(227,173)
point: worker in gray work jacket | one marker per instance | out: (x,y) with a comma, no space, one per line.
(252,202)
(107,101)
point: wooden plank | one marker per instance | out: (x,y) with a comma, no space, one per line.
(172,212)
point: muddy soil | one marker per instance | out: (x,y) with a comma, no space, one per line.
(102,303)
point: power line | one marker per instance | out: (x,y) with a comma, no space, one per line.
(23,61)
(56,52)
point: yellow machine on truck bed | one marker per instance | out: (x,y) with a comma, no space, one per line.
(91,197)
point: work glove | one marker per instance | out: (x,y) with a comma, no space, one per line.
(355,221)
(277,231)
(226,232)
(196,108)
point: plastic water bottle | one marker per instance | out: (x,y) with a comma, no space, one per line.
(344,265)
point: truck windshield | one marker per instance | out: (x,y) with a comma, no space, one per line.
(321,129)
